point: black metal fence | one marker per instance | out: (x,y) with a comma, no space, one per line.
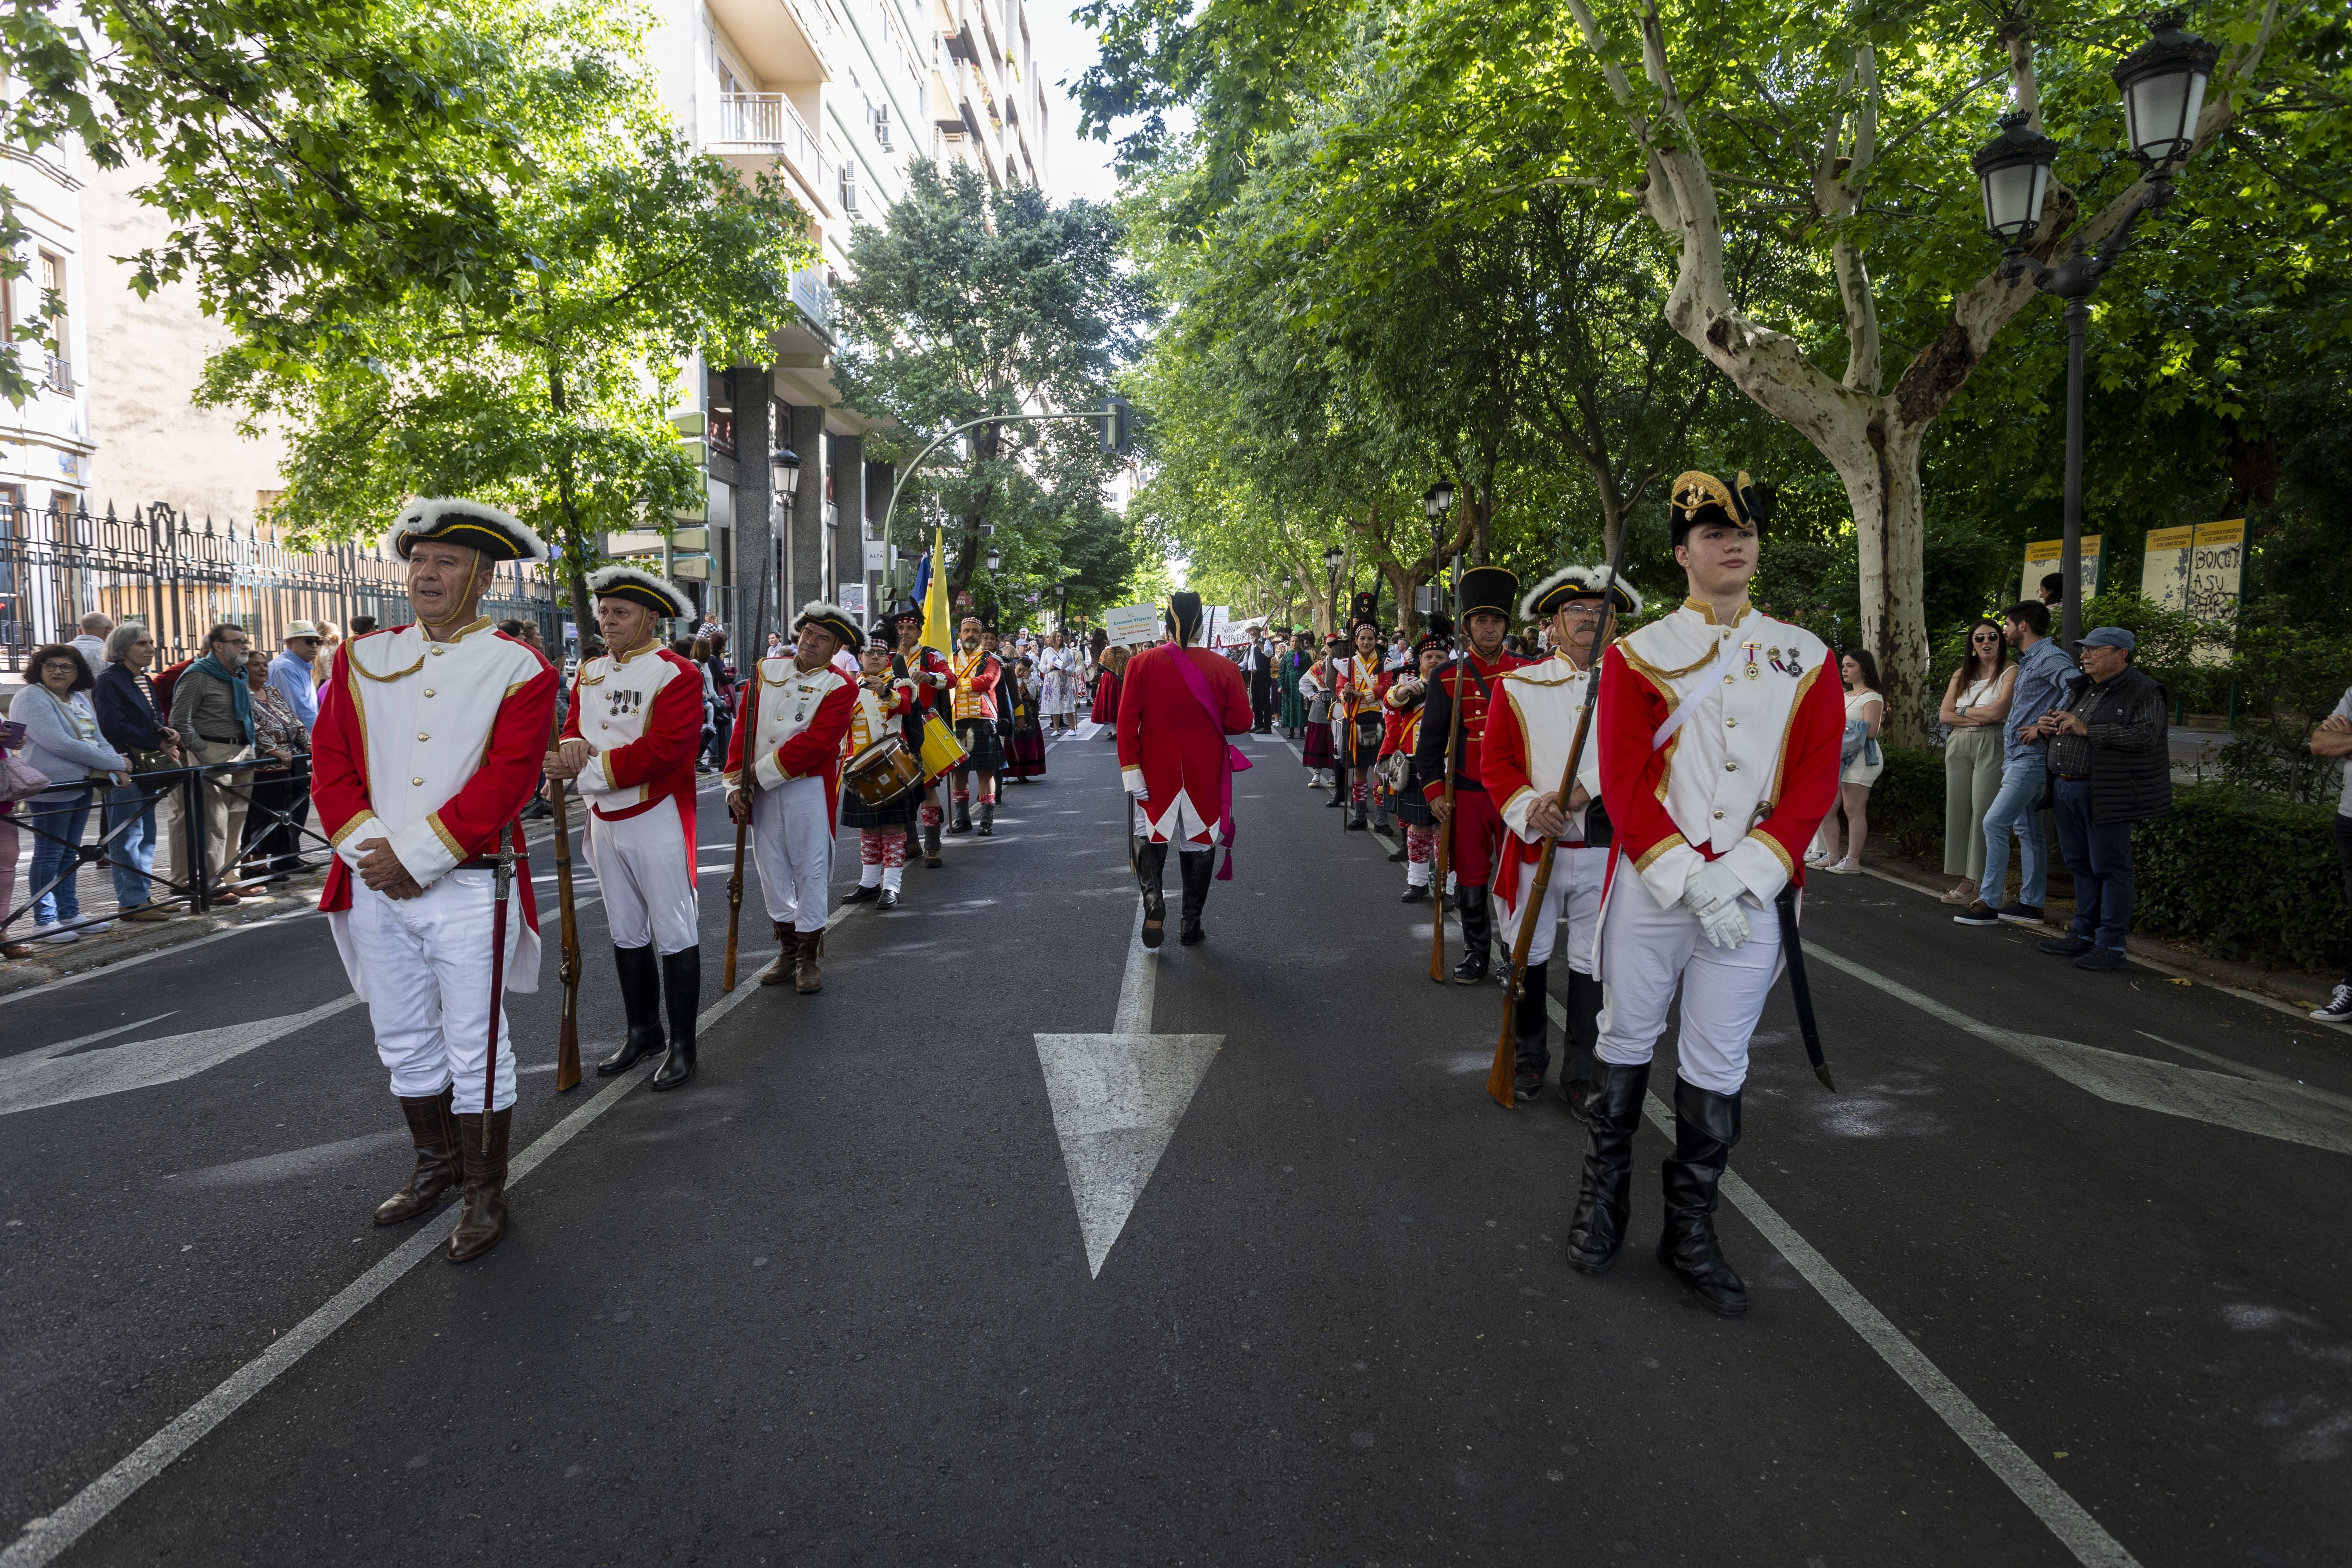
(180,578)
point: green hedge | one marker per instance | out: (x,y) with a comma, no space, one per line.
(2251,877)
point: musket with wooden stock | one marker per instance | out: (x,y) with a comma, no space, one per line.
(1501,1075)
(567,1037)
(743,828)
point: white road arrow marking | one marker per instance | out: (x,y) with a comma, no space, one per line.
(1117,1099)
(46,1077)
(2268,1109)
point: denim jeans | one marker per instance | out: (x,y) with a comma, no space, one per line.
(2099,854)
(2016,807)
(131,852)
(49,818)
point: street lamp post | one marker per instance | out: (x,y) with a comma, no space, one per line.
(2163,86)
(1332,556)
(1435,502)
(783,483)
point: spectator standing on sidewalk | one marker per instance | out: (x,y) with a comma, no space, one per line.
(2043,671)
(1975,702)
(212,708)
(1861,763)
(92,644)
(271,819)
(2110,766)
(294,676)
(2332,739)
(12,738)
(62,743)
(131,720)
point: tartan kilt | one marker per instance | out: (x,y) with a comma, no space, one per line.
(1315,748)
(855,813)
(1411,807)
(980,738)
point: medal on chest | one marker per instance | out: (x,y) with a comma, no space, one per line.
(1751,649)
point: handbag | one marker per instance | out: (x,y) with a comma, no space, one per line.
(19,780)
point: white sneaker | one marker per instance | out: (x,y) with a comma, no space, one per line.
(2339,1006)
(1815,858)
(1842,868)
(58,935)
(96,926)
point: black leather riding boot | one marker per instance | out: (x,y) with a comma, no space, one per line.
(1478,933)
(1598,1230)
(482,1223)
(1531,1028)
(433,1129)
(1580,1070)
(1150,864)
(1197,869)
(1705,1127)
(640,1004)
(681,975)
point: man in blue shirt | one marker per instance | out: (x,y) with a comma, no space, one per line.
(290,672)
(2043,671)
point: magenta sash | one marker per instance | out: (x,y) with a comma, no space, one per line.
(1236,761)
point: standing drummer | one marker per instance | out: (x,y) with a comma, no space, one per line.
(884,700)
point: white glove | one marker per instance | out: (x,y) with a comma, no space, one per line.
(1713,885)
(1131,780)
(1725,925)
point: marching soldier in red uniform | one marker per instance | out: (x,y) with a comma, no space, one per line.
(630,741)
(1178,703)
(429,744)
(1473,832)
(1529,733)
(1719,728)
(933,678)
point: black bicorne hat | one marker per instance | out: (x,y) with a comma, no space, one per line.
(1183,617)
(1701,500)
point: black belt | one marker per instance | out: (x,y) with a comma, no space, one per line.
(479,863)
(2076,778)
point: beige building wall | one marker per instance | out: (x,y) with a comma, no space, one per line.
(146,356)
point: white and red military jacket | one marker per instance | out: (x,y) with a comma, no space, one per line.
(1530,727)
(1749,765)
(874,714)
(642,717)
(1470,673)
(803,717)
(1174,745)
(433,747)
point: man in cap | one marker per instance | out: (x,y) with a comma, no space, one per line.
(2110,766)
(934,679)
(1719,728)
(1473,829)
(1176,706)
(978,672)
(429,743)
(1525,753)
(293,675)
(629,742)
(783,777)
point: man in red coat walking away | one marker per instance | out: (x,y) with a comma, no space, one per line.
(1176,705)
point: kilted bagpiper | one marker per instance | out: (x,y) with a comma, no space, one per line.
(978,673)
(1405,701)
(1474,838)
(885,700)
(428,745)
(629,742)
(1525,750)
(783,774)
(1719,731)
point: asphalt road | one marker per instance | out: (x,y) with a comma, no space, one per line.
(2055,1278)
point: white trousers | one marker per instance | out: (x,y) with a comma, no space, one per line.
(1573,893)
(423,964)
(644,871)
(1647,951)
(792,843)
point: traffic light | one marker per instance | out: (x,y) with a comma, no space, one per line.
(1116,417)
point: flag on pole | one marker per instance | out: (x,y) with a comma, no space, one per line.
(932,586)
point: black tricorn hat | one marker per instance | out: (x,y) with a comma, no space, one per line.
(1700,500)
(1364,607)
(1183,616)
(1493,589)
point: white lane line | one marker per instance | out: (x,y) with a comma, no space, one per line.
(45,1539)
(2254,1072)
(45,1078)
(2067,1520)
(2290,1112)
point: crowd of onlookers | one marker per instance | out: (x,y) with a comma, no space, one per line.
(99,731)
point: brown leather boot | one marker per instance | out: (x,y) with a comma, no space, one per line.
(484,1220)
(433,1131)
(805,977)
(780,969)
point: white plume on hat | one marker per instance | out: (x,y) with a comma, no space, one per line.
(605,579)
(1588,578)
(428,516)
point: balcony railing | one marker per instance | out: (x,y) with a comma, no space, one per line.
(813,292)
(58,375)
(767,121)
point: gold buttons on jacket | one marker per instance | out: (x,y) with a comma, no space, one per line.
(418,782)
(1731,767)
(1718,816)
(428,691)
(1731,724)
(422,736)
(436,650)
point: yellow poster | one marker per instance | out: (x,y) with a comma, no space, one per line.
(2041,558)
(2197,570)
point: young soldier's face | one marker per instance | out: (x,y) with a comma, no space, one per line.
(1718,557)
(874,660)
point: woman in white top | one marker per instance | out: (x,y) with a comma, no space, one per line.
(1864,710)
(1975,702)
